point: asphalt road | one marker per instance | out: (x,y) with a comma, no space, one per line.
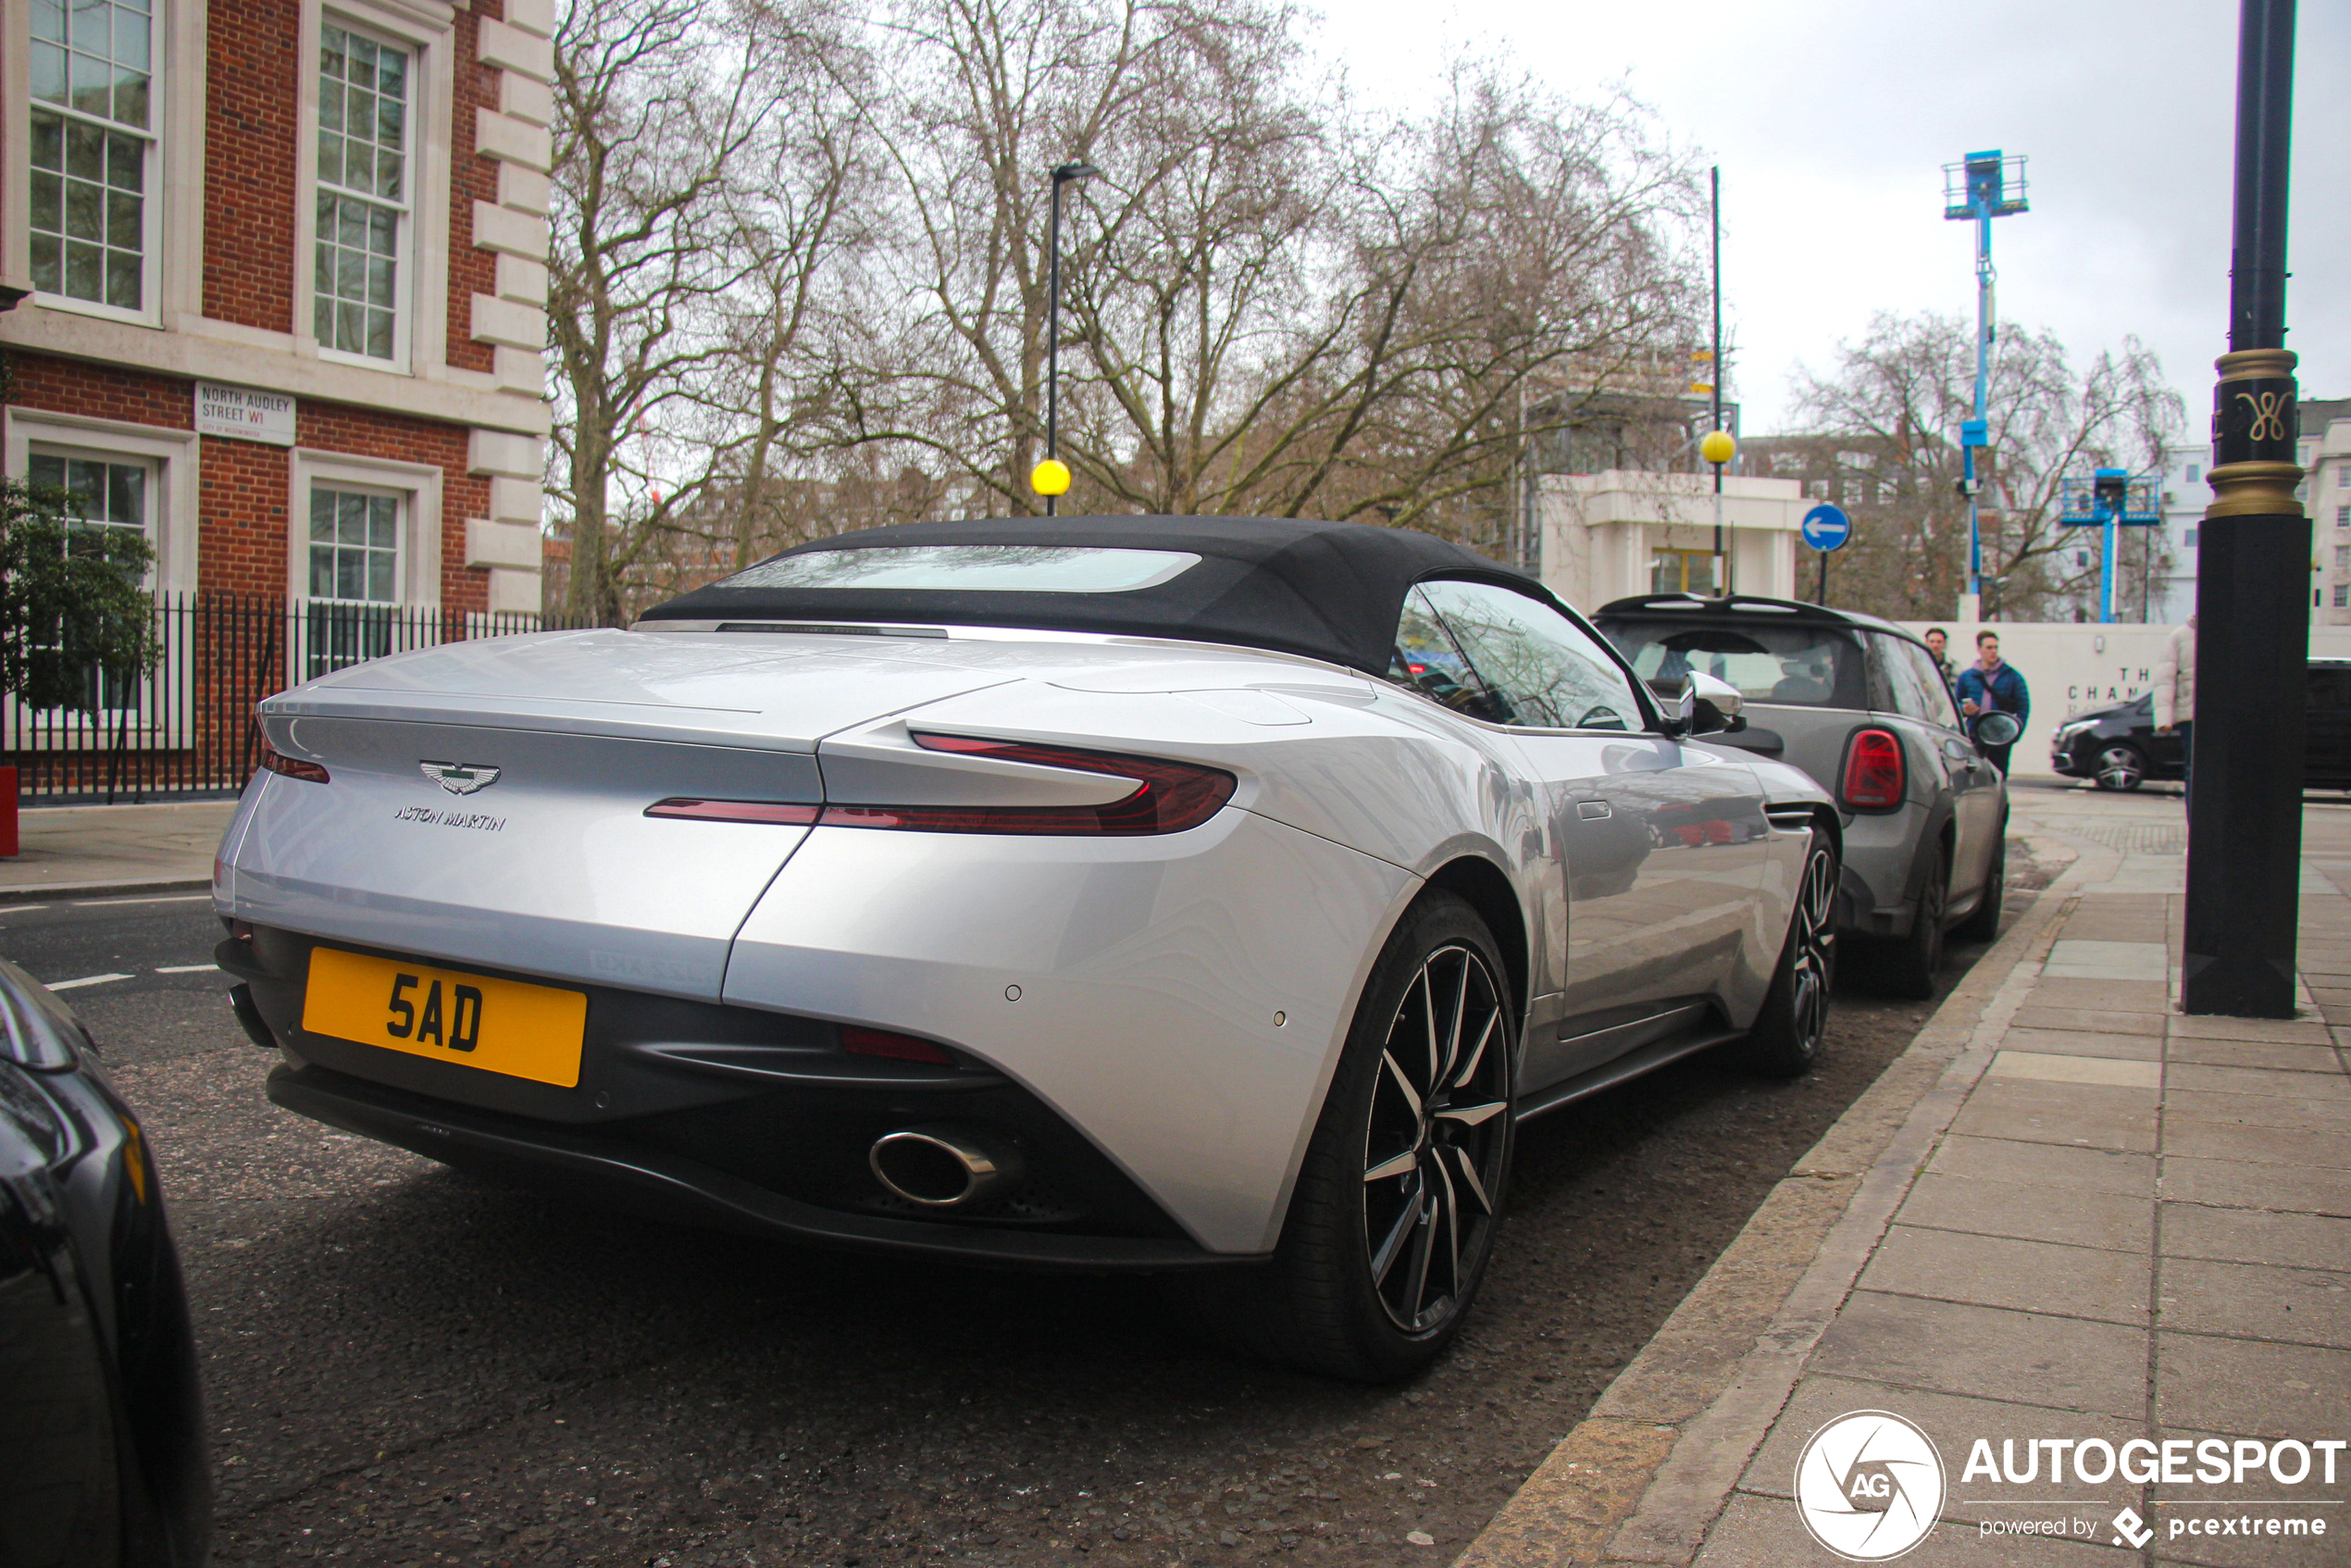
(406,1365)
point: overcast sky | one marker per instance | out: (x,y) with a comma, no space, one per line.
(1832,121)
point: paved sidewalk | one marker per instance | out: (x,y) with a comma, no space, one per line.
(2068,1213)
(98,850)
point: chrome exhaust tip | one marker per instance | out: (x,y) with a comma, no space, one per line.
(944,1167)
(249,1017)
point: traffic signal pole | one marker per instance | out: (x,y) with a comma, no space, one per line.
(2252,599)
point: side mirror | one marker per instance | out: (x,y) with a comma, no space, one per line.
(1997,729)
(1707,706)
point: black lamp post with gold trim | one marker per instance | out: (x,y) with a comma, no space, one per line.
(2252,586)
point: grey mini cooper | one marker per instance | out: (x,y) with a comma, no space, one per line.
(1858,703)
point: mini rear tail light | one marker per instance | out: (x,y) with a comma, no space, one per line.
(1873,770)
(892,1047)
(1168,797)
(277,761)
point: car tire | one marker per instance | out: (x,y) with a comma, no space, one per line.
(1912,963)
(1378,1263)
(1786,1038)
(2118,766)
(1982,924)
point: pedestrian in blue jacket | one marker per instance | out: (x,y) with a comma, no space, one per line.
(1989,686)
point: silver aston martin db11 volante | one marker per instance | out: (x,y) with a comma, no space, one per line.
(1192,894)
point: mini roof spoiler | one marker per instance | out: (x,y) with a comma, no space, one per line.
(1753,604)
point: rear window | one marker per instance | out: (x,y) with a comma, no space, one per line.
(1808,666)
(967,568)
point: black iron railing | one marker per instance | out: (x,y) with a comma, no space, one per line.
(185,727)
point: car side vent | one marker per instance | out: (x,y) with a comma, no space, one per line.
(1792,817)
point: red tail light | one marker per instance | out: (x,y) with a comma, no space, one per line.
(1873,770)
(892,1047)
(277,761)
(1168,797)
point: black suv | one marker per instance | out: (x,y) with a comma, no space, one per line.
(2118,749)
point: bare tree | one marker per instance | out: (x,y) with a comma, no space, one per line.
(1884,429)
(1271,305)
(1363,330)
(799,281)
(702,158)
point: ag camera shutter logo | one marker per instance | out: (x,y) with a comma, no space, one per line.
(1869,1486)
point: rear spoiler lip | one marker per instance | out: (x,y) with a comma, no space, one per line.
(746,728)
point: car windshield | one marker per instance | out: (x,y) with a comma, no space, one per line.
(1812,667)
(964,569)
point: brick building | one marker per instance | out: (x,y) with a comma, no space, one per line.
(320,224)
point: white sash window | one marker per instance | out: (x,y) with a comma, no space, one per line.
(362,238)
(93,152)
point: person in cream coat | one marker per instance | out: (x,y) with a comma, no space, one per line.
(2175,693)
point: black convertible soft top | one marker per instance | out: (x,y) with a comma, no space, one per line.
(1329,591)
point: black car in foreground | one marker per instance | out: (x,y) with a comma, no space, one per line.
(2118,748)
(102,1444)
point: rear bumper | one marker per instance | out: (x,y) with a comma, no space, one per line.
(1873,893)
(601,1164)
(1151,1020)
(717,1115)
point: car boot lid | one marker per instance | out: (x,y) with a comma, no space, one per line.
(701,690)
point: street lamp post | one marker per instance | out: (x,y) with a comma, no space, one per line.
(2253,610)
(1049,478)
(1719,447)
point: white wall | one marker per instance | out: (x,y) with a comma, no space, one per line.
(2073,669)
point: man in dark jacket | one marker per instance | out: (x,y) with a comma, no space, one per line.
(1989,686)
(1936,641)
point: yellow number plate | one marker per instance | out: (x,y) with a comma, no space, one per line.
(498,1026)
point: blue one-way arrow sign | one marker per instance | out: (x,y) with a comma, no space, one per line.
(1826,527)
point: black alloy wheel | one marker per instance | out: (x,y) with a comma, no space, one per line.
(1786,1039)
(2121,765)
(1436,1139)
(1982,923)
(1400,1193)
(1914,961)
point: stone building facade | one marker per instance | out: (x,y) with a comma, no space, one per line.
(278,274)
(1622,533)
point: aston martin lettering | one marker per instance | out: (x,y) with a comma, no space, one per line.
(460,778)
(430,817)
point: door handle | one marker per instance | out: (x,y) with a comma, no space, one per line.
(1592,811)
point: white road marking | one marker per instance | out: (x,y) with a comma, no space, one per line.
(186,968)
(174,898)
(85,981)
(21,908)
